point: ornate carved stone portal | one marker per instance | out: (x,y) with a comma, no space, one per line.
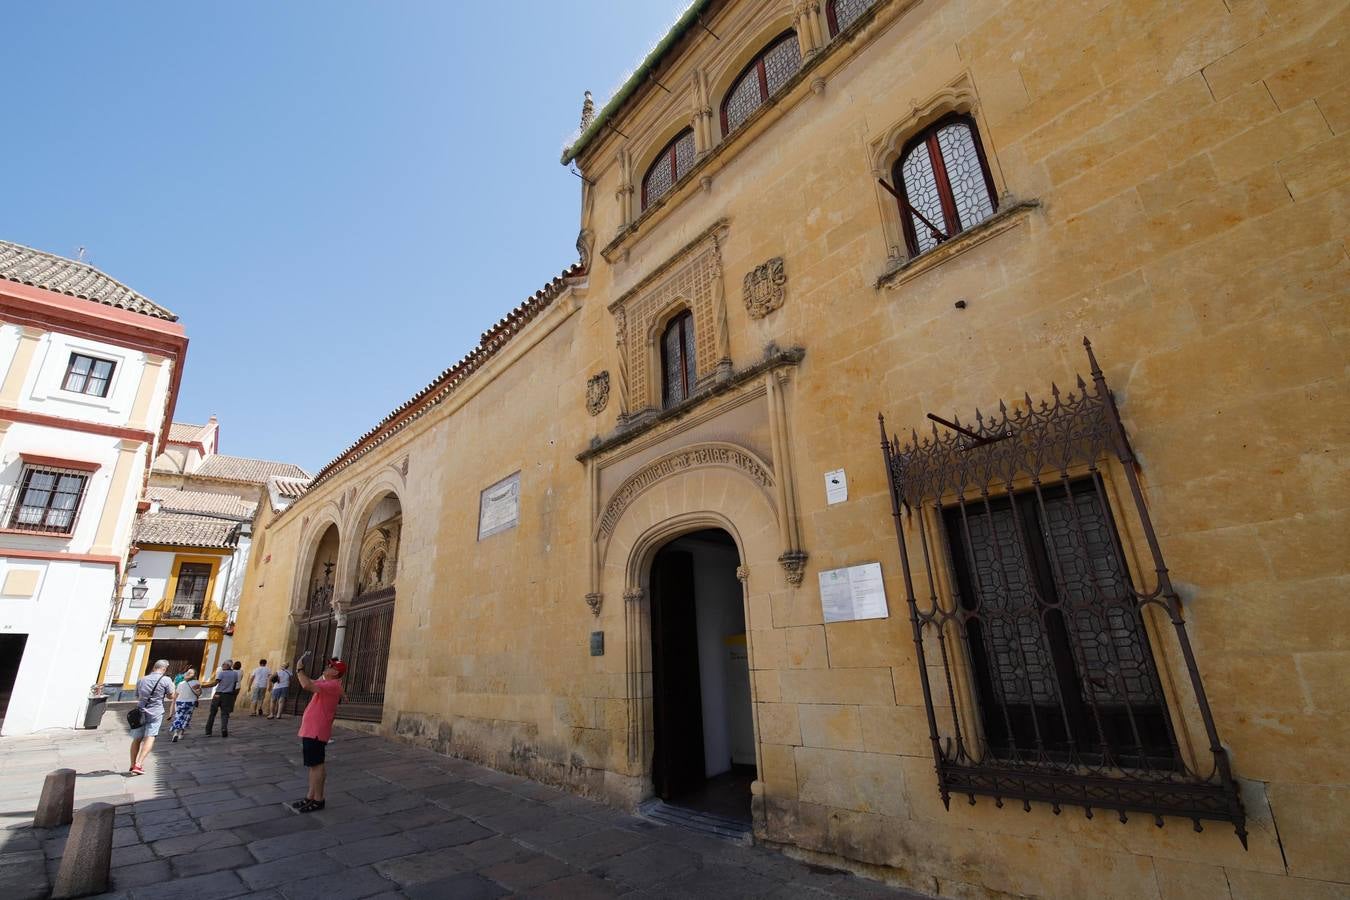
(764,288)
(597,393)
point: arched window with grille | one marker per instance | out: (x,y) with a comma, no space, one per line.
(764,77)
(675,159)
(843,13)
(944,182)
(677,359)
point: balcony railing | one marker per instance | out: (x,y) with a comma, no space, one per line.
(186,610)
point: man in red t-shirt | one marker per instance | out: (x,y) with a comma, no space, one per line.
(316,728)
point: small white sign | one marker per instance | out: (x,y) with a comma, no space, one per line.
(499,506)
(852,593)
(836,487)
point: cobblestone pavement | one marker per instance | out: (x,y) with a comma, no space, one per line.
(207,821)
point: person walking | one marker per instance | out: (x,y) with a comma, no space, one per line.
(281,683)
(151,692)
(189,690)
(316,728)
(259,682)
(222,701)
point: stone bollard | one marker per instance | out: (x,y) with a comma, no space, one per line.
(87,859)
(58,800)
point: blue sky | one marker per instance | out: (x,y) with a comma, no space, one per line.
(336,198)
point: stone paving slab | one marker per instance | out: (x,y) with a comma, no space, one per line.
(208,820)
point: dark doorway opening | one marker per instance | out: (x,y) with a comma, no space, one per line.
(11,654)
(704,733)
(182,655)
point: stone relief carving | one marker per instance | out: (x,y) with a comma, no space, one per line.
(794,566)
(764,288)
(597,393)
(594,601)
(673,463)
(633,595)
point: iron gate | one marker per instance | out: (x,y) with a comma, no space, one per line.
(1035,649)
(365,649)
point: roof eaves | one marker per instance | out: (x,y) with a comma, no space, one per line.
(682,26)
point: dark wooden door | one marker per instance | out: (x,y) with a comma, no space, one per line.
(182,655)
(677,767)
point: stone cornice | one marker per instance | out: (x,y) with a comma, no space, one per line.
(625,434)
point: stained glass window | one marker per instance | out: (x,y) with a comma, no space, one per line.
(670,166)
(764,77)
(843,13)
(944,180)
(677,359)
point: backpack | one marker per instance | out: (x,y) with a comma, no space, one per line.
(136,715)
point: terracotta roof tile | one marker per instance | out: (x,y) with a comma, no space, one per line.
(240,468)
(177,500)
(184,530)
(289,488)
(183,433)
(74,278)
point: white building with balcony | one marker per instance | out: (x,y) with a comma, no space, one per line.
(191,551)
(89,376)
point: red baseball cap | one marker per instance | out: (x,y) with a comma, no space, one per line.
(339,665)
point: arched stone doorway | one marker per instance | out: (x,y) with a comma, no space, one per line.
(368,616)
(316,623)
(703,724)
(732,494)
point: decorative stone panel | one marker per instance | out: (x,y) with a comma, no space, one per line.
(597,393)
(691,279)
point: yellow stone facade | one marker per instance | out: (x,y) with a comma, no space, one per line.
(1172,181)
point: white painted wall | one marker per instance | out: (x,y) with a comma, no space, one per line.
(64,623)
(66,617)
(720,613)
(42,391)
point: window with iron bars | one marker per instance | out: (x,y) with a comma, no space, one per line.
(88,375)
(1038,646)
(189,597)
(47,500)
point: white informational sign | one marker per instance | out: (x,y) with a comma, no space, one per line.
(499,507)
(852,593)
(836,487)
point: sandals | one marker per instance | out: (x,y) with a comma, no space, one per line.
(306,806)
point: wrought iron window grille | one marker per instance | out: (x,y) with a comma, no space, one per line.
(1038,655)
(45,500)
